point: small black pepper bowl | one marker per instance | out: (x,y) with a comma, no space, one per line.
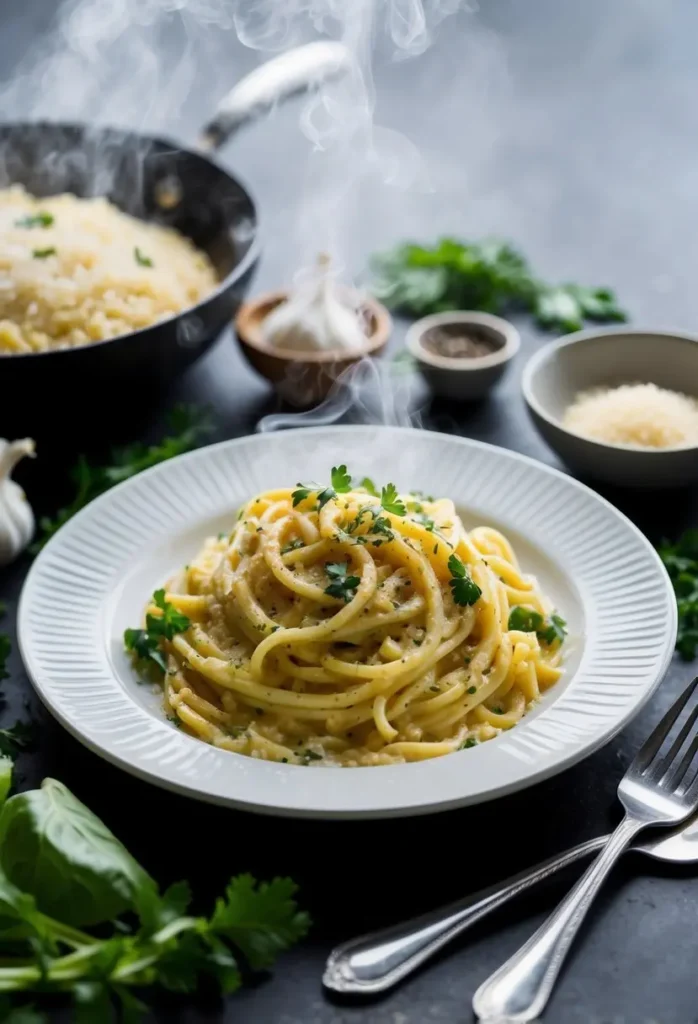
(462,354)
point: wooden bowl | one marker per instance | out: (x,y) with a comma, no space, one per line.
(304,378)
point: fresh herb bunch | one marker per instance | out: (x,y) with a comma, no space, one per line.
(342,484)
(681,561)
(548,630)
(145,643)
(187,425)
(491,276)
(62,871)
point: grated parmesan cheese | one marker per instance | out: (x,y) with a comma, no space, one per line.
(641,415)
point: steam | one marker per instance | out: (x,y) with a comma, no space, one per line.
(369,392)
(348,148)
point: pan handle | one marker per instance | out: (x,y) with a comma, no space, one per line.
(278,79)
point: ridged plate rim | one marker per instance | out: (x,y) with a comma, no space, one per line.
(67,602)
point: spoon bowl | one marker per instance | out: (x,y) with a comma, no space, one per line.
(378,961)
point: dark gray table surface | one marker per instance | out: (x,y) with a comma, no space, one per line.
(570,128)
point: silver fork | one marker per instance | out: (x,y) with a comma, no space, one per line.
(659,788)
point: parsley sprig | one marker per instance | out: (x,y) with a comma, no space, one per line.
(107,932)
(464,589)
(145,643)
(187,426)
(341,481)
(491,276)
(549,631)
(681,562)
(391,502)
(342,586)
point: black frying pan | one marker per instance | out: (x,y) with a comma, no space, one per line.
(158,181)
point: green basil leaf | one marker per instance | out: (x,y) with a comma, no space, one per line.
(54,848)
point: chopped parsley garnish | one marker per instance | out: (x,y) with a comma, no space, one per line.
(303,491)
(681,562)
(498,711)
(464,590)
(324,496)
(42,254)
(5,648)
(342,586)
(42,219)
(466,744)
(145,643)
(141,259)
(424,521)
(341,481)
(292,545)
(380,525)
(368,485)
(528,620)
(472,689)
(310,755)
(391,501)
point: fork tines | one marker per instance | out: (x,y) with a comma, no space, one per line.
(668,757)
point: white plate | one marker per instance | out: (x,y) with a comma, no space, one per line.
(93,579)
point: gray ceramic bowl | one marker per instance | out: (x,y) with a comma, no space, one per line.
(466,379)
(604,358)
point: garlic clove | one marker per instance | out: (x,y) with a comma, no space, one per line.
(315,318)
(16,515)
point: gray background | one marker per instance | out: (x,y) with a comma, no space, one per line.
(571,129)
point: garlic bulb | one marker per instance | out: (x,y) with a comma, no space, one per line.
(314,318)
(16,516)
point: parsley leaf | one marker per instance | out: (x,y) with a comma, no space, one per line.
(681,562)
(261,920)
(42,219)
(525,619)
(304,491)
(528,620)
(466,744)
(141,259)
(301,493)
(341,481)
(369,486)
(554,632)
(391,501)
(42,254)
(145,643)
(342,586)
(324,496)
(18,737)
(464,590)
(187,425)
(5,648)
(491,276)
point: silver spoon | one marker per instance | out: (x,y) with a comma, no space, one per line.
(375,962)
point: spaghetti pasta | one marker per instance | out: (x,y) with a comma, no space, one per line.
(336,627)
